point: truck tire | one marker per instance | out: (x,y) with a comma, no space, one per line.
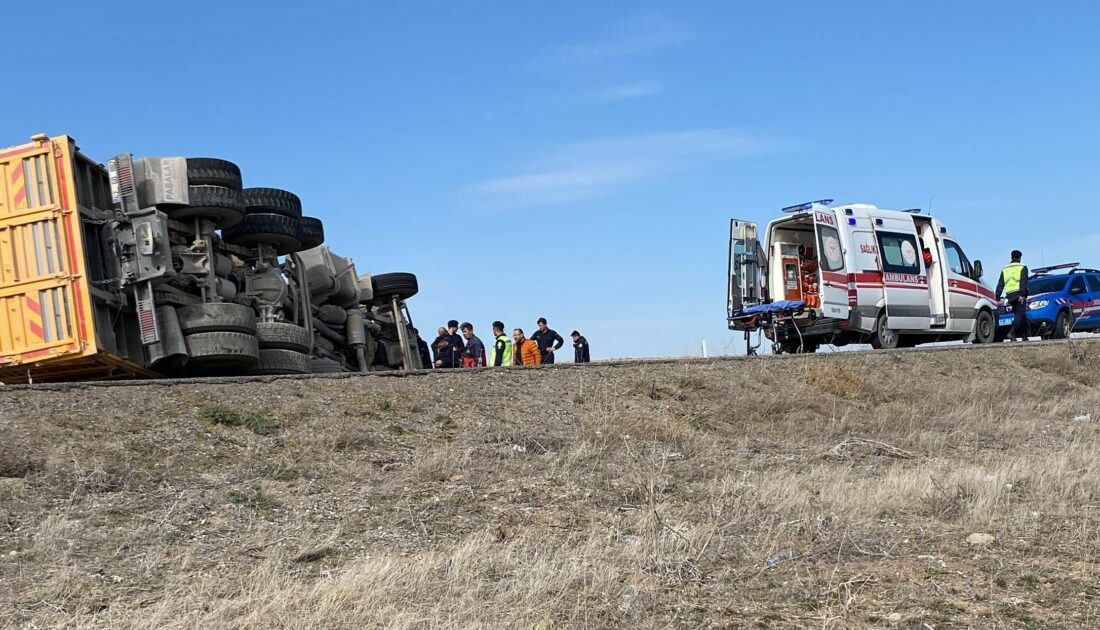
(282,336)
(213,172)
(216,317)
(1063,326)
(386,285)
(282,362)
(272,201)
(884,338)
(219,203)
(325,366)
(311,232)
(281,232)
(221,351)
(985,328)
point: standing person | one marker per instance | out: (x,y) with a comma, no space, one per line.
(456,339)
(525,351)
(548,340)
(446,355)
(422,348)
(474,353)
(502,347)
(580,348)
(441,334)
(1013,282)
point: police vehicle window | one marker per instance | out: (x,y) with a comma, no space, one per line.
(1046,285)
(828,244)
(1077,286)
(899,253)
(1094,283)
(956,259)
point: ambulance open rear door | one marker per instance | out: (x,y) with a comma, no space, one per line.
(746,268)
(832,269)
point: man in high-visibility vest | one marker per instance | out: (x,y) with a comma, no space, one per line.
(502,347)
(1013,283)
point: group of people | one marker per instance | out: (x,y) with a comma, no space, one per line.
(458,347)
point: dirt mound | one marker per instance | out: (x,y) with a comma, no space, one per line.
(799,491)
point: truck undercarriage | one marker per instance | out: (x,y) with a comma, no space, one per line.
(173,267)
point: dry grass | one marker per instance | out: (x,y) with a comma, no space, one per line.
(646,495)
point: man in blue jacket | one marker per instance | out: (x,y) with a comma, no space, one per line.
(549,341)
(580,348)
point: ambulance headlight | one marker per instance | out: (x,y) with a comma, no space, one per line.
(1038,304)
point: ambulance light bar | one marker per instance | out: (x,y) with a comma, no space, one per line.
(1045,270)
(806,207)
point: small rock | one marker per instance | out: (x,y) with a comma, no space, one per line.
(1084,418)
(980,539)
(783,555)
(893,617)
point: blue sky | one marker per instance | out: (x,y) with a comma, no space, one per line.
(581,160)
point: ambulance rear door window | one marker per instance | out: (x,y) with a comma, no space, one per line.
(899,253)
(831,254)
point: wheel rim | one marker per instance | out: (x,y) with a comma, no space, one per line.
(984,327)
(1067,326)
(888,337)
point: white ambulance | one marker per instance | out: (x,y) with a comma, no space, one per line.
(855,274)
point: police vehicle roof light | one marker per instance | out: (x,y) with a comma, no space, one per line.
(1045,270)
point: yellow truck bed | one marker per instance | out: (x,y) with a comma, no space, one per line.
(47,328)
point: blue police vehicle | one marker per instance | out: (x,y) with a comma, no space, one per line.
(1058,303)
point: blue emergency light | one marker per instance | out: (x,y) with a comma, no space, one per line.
(806,207)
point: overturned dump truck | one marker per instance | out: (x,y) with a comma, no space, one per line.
(168,266)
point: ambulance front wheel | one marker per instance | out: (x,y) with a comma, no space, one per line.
(884,338)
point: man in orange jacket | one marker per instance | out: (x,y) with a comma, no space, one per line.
(525,351)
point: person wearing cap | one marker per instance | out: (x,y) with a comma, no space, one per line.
(422,349)
(1013,282)
(580,348)
(474,353)
(548,340)
(455,338)
(502,347)
(525,351)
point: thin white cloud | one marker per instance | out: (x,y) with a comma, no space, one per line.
(629,91)
(598,168)
(641,34)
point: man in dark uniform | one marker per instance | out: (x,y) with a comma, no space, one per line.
(1013,282)
(580,348)
(422,349)
(454,338)
(549,341)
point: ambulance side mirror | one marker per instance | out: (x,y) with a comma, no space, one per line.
(978,270)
